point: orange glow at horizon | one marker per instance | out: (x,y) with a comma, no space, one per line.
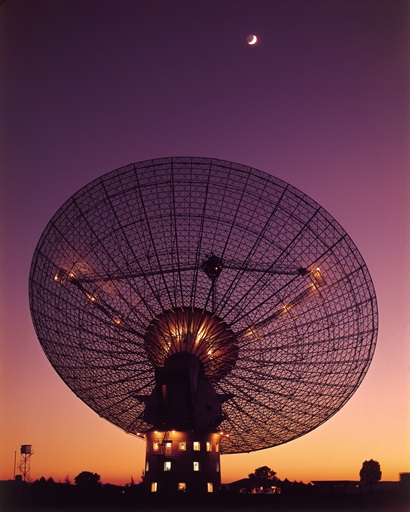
(68,437)
(78,440)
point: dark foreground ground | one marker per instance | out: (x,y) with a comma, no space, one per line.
(16,498)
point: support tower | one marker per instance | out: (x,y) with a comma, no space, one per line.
(190,349)
(25,461)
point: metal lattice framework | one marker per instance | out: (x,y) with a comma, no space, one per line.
(175,241)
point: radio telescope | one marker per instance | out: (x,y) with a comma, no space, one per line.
(204,305)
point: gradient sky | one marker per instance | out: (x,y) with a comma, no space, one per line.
(322,102)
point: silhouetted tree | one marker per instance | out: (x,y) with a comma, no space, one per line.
(370,473)
(263,477)
(88,480)
(141,482)
(263,473)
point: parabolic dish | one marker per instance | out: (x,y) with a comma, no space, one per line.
(290,296)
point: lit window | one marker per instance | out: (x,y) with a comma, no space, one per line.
(182,446)
(182,487)
(217,447)
(147,466)
(167,465)
(168,447)
(154,487)
(197,446)
(196,466)
(155,446)
(208,446)
(210,487)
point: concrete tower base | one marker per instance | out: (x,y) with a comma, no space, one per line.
(186,462)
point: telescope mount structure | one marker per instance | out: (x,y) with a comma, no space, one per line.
(205,306)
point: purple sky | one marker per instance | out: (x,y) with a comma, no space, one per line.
(321,102)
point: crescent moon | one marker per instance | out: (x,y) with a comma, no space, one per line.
(252,39)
